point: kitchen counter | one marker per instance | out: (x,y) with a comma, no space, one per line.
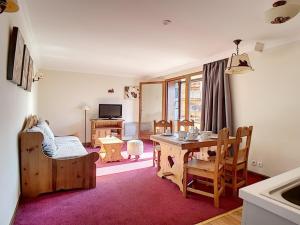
(274,211)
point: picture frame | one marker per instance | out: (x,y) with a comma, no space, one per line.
(15,57)
(25,68)
(30,74)
(131,92)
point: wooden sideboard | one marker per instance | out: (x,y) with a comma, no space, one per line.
(105,127)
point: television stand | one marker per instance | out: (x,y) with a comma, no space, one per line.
(102,127)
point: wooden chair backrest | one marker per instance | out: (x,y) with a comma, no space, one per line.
(222,148)
(185,123)
(240,151)
(161,126)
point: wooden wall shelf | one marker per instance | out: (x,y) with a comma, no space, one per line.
(105,127)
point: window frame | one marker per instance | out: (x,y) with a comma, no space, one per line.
(188,79)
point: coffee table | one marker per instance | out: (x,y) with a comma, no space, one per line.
(110,150)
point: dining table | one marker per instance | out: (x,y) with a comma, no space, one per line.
(175,153)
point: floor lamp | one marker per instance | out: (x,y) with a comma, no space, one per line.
(85,108)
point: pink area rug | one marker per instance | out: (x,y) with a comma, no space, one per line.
(133,197)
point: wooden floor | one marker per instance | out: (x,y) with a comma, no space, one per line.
(233,217)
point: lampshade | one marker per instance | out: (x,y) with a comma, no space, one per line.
(282,11)
(86,108)
(12,6)
(239,64)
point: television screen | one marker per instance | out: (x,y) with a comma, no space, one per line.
(110,111)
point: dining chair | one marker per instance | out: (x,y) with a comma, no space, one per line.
(159,128)
(185,123)
(236,165)
(208,172)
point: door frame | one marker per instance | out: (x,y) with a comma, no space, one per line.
(163,116)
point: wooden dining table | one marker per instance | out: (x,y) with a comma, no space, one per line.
(175,153)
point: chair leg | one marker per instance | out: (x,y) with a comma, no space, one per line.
(154,156)
(158,160)
(184,182)
(246,175)
(216,193)
(234,181)
(223,184)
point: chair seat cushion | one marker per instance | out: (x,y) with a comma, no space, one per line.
(229,160)
(202,165)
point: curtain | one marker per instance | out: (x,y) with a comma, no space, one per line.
(216,98)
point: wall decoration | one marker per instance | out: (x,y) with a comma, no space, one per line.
(111,91)
(38,76)
(15,57)
(30,74)
(131,92)
(25,68)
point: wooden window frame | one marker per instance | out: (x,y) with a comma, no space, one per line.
(188,79)
(164,83)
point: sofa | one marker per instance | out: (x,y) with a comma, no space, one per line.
(50,163)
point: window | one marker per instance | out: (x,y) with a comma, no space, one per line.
(195,100)
(178,101)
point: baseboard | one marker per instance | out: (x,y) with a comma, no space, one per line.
(12,220)
(258,174)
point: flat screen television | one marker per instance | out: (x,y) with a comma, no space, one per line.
(110,111)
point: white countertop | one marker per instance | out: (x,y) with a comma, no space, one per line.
(252,194)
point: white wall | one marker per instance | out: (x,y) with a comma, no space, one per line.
(15,105)
(268,99)
(61,95)
(151,102)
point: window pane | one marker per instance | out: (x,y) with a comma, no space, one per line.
(175,101)
(195,99)
(182,101)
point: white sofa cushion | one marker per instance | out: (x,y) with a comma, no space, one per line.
(46,129)
(48,145)
(68,147)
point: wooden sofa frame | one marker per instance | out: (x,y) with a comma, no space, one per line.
(42,174)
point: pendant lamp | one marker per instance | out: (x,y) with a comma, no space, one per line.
(237,63)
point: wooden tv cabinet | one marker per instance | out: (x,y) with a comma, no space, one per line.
(105,127)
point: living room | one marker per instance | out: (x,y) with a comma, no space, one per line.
(157,60)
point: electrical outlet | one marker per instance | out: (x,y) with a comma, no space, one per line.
(253,163)
(260,164)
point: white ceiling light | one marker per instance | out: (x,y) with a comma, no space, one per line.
(282,11)
(238,64)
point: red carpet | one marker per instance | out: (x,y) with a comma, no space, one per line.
(134,197)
